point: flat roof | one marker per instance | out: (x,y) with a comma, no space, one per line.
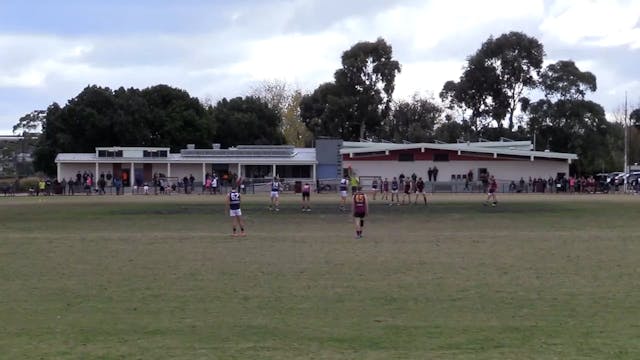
(296,156)
(496,147)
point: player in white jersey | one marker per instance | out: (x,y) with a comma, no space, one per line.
(276,186)
(344,184)
(233,207)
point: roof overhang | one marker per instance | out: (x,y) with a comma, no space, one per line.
(359,148)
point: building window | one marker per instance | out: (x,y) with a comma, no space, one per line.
(109,153)
(154,153)
(441,157)
(405,157)
(368,154)
(294,171)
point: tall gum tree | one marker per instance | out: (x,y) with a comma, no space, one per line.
(360,98)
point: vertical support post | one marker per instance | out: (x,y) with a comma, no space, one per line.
(132,176)
(273,170)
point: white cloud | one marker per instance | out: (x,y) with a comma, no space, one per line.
(594,22)
(292,57)
(425,78)
(254,44)
(429,24)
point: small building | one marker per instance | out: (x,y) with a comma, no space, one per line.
(506,160)
(140,163)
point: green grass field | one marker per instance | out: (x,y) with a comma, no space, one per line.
(538,277)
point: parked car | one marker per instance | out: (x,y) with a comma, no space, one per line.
(603,182)
(632,180)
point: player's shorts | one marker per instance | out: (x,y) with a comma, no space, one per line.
(491,191)
(343,193)
(306,195)
(275,194)
(236,212)
(359,214)
(394,191)
(374,188)
(420,191)
(407,192)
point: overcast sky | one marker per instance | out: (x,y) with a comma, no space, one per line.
(51,50)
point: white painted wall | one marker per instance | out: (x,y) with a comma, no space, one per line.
(160,169)
(70,170)
(182,170)
(502,170)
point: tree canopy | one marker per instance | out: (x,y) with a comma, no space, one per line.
(357,104)
(156,116)
(496,77)
(247,120)
(503,91)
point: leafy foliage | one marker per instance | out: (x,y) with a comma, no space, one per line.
(634,117)
(564,80)
(357,104)
(247,120)
(414,120)
(156,116)
(279,96)
(496,77)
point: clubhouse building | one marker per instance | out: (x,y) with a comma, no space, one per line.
(139,164)
(506,160)
(329,159)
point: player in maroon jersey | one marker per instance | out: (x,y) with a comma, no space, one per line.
(360,209)
(420,191)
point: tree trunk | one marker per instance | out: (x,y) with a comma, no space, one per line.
(511,120)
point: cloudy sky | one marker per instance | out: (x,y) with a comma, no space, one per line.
(51,50)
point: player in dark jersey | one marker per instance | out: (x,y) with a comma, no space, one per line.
(407,191)
(394,191)
(360,209)
(276,186)
(491,195)
(233,207)
(306,197)
(420,191)
(374,187)
(385,189)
